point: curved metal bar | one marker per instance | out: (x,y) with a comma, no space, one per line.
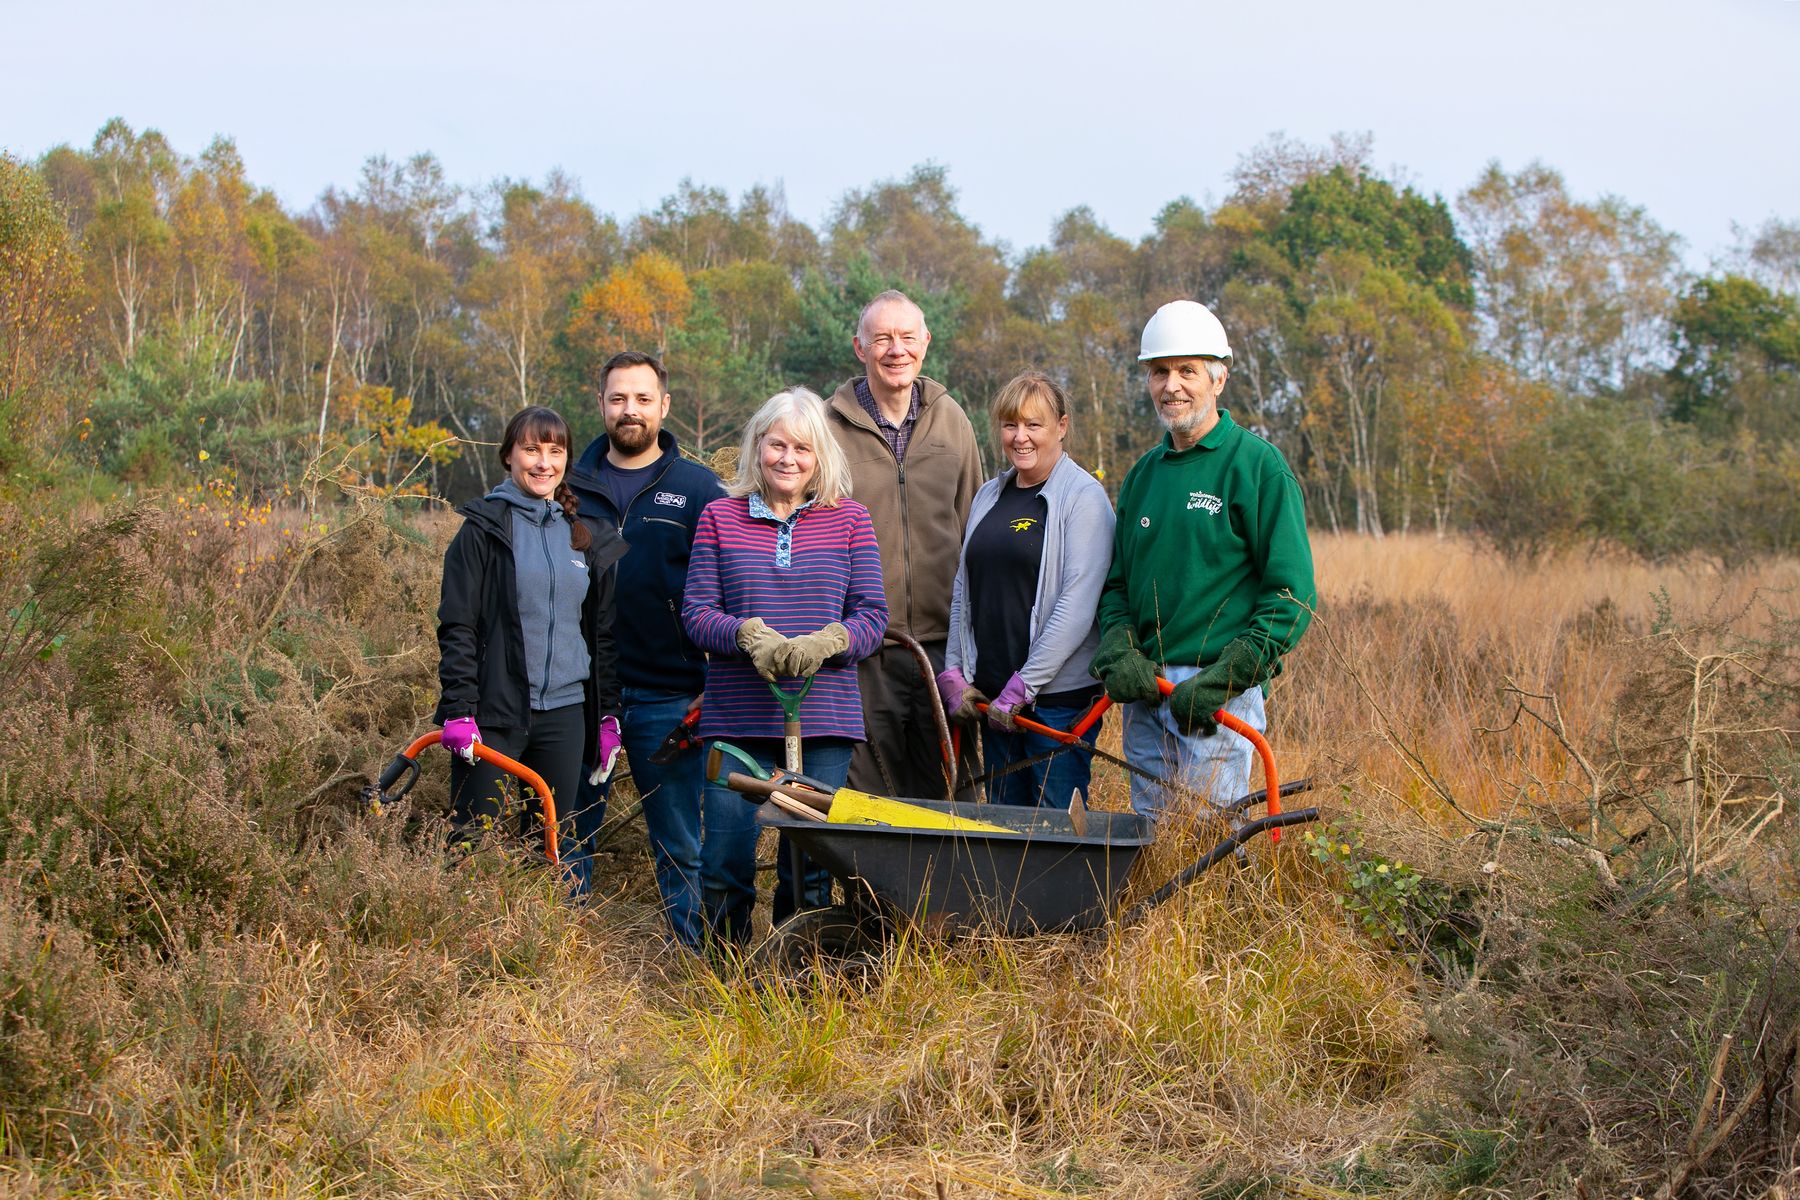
(1273,823)
(937,706)
(1271,780)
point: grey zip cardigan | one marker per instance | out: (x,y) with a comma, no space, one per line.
(1078,538)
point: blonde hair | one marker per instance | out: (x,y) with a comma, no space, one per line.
(803,413)
(1009,404)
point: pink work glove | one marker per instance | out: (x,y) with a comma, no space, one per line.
(611,742)
(951,686)
(959,698)
(460,736)
(1010,700)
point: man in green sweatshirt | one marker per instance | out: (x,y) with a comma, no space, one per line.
(1211,579)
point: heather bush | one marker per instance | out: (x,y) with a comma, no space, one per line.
(58,1015)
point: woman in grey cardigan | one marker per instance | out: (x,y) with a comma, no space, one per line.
(1035,554)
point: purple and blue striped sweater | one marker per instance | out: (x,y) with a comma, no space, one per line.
(833,573)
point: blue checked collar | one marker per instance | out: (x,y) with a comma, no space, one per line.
(784,527)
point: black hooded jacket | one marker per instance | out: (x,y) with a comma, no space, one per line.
(481,647)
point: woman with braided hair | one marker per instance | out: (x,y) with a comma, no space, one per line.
(525,631)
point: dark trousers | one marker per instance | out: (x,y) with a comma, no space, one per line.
(903,756)
(551,745)
(671,793)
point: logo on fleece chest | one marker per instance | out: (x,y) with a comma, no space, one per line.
(1205,502)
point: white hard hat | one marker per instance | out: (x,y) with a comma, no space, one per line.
(1183,329)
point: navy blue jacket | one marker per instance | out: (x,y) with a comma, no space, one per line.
(481,646)
(658,526)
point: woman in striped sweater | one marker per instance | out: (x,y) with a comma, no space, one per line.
(784,586)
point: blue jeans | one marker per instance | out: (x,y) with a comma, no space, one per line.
(1048,784)
(1216,768)
(672,805)
(730,895)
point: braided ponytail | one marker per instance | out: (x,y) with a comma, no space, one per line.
(579,537)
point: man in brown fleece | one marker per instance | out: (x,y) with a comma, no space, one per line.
(915,465)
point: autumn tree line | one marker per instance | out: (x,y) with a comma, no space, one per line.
(1520,363)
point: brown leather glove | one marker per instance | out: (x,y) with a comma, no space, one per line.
(966,711)
(804,655)
(763,645)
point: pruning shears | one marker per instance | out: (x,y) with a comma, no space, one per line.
(680,738)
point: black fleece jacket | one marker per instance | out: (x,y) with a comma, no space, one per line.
(481,646)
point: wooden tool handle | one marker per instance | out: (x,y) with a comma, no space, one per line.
(794,807)
(750,785)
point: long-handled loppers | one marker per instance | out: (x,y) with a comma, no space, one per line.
(406,763)
(1271,780)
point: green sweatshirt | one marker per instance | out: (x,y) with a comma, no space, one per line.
(1209,543)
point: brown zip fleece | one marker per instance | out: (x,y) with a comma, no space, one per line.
(918,507)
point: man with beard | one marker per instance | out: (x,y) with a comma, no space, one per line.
(635,478)
(1211,579)
(915,466)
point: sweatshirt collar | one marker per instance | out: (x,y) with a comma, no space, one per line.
(595,454)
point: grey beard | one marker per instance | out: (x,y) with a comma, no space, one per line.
(1180,427)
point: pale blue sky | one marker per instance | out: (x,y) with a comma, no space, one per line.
(1689,110)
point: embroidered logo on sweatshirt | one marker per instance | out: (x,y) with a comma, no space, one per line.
(1023,524)
(672,499)
(1206,500)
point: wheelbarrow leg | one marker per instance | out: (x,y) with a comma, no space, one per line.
(797,873)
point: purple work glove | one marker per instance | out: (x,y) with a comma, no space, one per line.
(460,736)
(959,698)
(1010,700)
(611,742)
(951,686)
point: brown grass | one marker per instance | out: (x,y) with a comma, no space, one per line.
(293,998)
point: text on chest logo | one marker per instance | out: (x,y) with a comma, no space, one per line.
(1205,500)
